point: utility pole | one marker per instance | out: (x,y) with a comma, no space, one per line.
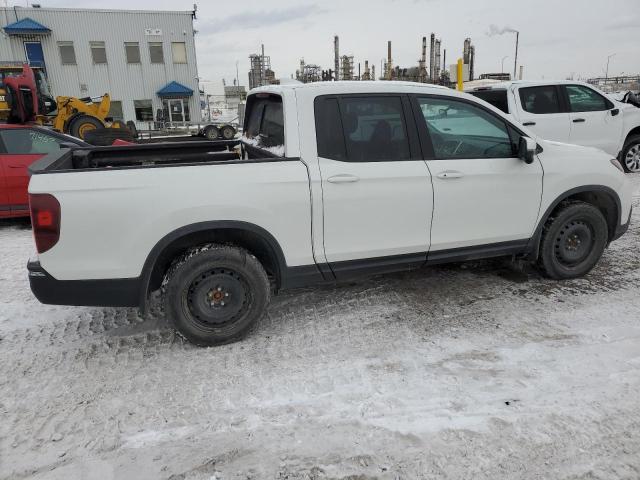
(515,60)
(606,75)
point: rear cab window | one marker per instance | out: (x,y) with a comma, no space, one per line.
(264,126)
(497,98)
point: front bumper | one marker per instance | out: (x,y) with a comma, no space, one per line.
(119,292)
(622,229)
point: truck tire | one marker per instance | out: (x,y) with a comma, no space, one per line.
(228,132)
(81,124)
(215,294)
(211,133)
(103,137)
(573,240)
(630,157)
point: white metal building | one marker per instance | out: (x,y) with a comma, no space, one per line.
(146,60)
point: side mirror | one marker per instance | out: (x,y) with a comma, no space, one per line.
(526,149)
(615,112)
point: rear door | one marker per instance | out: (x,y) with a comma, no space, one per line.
(594,121)
(376,188)
(542,110)
(483,193)
(19,148)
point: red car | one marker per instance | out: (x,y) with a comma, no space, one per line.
(20,146)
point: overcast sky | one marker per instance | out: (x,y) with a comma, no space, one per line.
(558,38)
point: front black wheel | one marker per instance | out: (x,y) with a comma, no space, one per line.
(214,295)
(631,154)
(573,241)
(211,132)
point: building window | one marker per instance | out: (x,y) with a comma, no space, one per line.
(132,51)
(115,111)
(67,53)
(155,52)
(98,52)
(144,110)
(179,52)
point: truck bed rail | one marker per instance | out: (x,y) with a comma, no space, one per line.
(132,156)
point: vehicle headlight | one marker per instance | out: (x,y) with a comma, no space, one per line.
(616,163)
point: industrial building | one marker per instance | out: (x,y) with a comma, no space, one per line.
(260,72)
(146,60)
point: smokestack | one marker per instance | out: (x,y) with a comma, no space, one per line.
(436,64)
(472,59)
(373,72)
(359,76)
(389,67)
(444,60)
(262,69)
(521,72)
(424,50)
(432,56)
(336,52)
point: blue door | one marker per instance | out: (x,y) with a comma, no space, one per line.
(35,57)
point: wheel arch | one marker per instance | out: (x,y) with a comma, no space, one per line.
(604,198)
(253,238)
(630,133)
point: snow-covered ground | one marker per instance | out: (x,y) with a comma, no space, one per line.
(464,371)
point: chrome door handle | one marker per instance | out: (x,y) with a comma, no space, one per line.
(450,174)
(343,178)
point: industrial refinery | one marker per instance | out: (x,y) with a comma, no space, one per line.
(433,70)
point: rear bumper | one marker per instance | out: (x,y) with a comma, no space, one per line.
(622,229)
(120,292)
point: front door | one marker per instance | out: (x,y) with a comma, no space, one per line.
(483,194)
(34,54)
(540,109)
(593,121)
(176,110)
(376,188)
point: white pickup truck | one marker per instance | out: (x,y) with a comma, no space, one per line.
(571,112)
(374,177)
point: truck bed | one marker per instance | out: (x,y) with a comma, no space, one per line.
(141,156)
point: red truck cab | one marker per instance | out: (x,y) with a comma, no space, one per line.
(20,146)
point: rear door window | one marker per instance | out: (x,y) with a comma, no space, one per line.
(540,100)
(374,129)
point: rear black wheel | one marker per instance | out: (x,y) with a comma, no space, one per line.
(215,295)
(228,132)
(573,241)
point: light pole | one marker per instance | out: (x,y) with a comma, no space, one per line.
(606,75)
(502,63)
(515,60)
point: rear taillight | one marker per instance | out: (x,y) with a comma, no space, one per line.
(45,220)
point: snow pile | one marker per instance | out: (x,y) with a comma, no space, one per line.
(277,150)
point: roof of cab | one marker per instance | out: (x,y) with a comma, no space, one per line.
(353,87)
(525,83)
